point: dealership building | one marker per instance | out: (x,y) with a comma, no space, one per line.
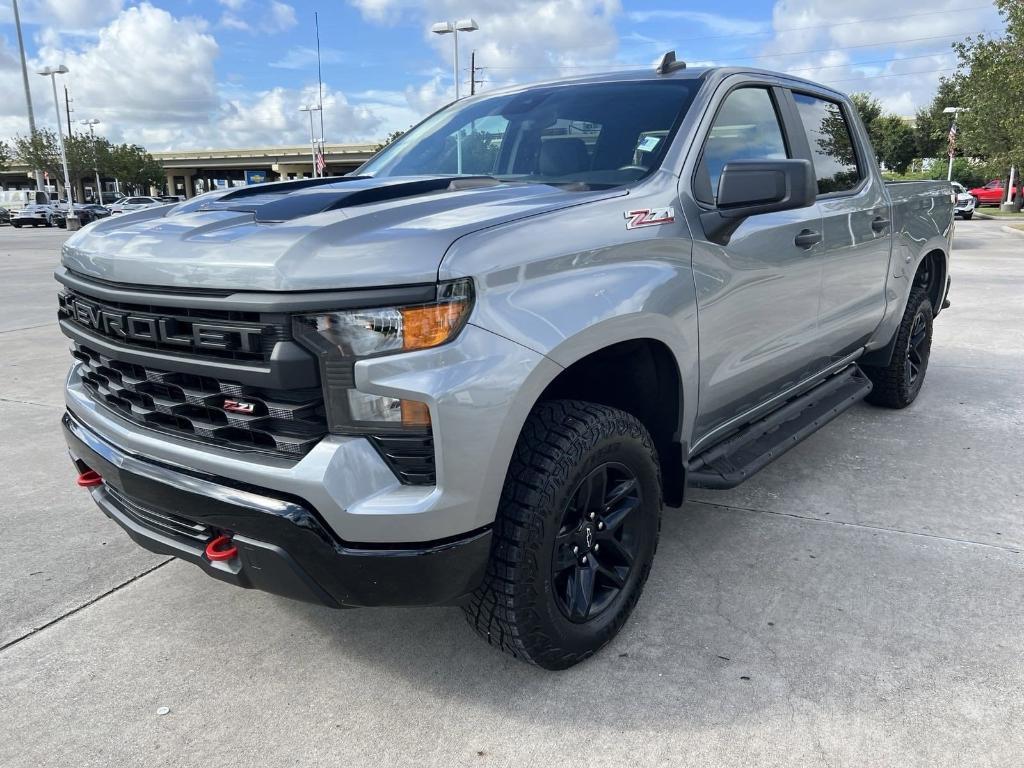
(193,172)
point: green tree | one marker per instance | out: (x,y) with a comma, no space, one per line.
(890,135)
(931,124)
(389,139)
(5,156)
(134,167)
(894,142)
(991,70)
(40,150)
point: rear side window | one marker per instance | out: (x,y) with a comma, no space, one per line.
(745,128)
(828,133)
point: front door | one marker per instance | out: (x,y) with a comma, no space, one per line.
(757,296)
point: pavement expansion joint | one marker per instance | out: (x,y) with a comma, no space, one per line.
(82,607)
(862,526)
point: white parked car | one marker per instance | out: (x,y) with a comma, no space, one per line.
(127,204)
(34,215)
(965,201)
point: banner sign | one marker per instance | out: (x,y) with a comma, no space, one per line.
(255,177)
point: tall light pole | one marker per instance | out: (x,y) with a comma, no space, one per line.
(311,108)
(453,29)
(52,72)
(95,160)
(952,136)
(28,93)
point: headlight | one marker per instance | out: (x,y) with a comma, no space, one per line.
(341,338)
(367,332)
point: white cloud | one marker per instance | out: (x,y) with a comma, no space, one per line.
(304,58)
(231,21)
(898,54)
(713,22)
(280,16)
(70,16)
(517,41)
(271,18)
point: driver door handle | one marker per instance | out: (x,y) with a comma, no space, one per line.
(807,238)
(879,223)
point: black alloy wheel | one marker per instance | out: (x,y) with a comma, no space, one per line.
(596,543)
(917,350)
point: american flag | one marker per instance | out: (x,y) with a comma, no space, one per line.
(952,139)
(321,164)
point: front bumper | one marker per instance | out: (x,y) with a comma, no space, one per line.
(283,545)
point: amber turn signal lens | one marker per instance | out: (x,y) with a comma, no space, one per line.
(415,414)
(431,325)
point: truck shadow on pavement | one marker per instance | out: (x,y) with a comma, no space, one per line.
(744,613)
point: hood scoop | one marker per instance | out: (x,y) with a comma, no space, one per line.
(289,200)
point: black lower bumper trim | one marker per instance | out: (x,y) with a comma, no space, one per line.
(283,547)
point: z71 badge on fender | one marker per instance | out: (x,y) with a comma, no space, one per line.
(649,217)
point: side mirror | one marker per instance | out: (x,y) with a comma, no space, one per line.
(749,187)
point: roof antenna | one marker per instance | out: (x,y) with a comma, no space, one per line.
(668,64)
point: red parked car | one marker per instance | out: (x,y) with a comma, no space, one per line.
(990,194)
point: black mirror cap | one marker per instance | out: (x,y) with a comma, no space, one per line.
(750,187)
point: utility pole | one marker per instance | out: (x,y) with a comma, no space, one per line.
(67,107)
(319,77)
(473,69)
(28,93)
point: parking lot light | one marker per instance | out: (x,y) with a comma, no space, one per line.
(52,72)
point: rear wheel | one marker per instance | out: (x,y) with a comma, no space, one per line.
(899,383)
(575,534)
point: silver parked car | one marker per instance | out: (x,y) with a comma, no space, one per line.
(127,204)
(36,215)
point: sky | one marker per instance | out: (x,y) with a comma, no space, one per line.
(191,74)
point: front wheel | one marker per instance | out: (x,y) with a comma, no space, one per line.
(575,535)
(899,383)
(967,216)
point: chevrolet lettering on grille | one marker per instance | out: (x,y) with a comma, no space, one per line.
(154,329)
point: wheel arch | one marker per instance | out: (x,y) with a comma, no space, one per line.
(932,271)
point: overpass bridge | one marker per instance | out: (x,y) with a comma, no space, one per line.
(191,172)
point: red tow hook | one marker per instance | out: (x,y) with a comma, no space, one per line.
(221,548)
(89,479)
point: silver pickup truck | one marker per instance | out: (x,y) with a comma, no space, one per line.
(474,371)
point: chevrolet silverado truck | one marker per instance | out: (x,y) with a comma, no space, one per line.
(473,371)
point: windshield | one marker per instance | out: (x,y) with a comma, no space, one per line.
(598,134)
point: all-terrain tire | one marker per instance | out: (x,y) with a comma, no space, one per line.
(898,384)
(520,607)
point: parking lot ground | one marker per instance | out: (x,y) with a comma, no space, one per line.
(856,603)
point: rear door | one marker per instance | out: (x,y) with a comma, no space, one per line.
(856,223)
(757,296)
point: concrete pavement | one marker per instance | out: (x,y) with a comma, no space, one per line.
(856,603)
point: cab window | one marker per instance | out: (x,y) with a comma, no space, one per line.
(746,128)
(830,139)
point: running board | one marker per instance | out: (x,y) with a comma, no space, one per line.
(756,445)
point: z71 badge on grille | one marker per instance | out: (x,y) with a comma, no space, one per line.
(239,406)
(649,217)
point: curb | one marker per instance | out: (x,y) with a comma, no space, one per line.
(1013,231)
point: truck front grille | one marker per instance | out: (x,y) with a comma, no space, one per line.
(222,413)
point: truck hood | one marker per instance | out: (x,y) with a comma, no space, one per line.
(313,234)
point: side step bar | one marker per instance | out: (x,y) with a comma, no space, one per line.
(756,445)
